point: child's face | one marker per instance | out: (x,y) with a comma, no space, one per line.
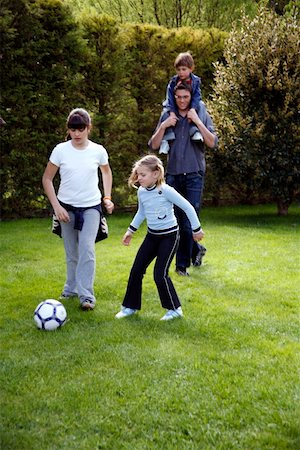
(183,72)
(146,177)
(79,136)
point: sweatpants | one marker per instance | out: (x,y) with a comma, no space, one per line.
(162,247)
(80,255)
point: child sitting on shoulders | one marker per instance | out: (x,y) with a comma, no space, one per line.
(184,65)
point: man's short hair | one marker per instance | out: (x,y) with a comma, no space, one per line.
(182,86)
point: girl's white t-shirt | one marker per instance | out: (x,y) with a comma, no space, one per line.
(78,169)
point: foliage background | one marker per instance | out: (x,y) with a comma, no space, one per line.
(55,58)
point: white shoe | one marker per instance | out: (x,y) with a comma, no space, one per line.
(164,147)
(125,312)
(197,136)
(173,314)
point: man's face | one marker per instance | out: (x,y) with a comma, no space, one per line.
(183,99)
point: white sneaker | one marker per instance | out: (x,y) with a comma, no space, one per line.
(173,314)
(164,147)
(197,136)
(125,312)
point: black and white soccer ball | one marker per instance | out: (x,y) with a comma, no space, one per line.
(50,315)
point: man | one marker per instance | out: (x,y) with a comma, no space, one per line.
(186,167)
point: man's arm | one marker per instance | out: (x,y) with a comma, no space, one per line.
(210,139)
(156,139)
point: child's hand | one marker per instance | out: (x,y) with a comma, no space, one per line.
(109,206)
(127,238)
(61,214)
(199,235)
(173,115)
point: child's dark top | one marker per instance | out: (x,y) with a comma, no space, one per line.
(195,83)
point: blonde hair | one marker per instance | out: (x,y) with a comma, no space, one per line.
(152,163)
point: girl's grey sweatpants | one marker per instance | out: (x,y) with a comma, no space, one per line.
(80,255)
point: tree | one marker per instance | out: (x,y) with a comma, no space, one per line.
(40,59)
(255,106)
(172,13)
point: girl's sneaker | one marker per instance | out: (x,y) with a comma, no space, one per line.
(87,304)
(173,314)
(125,312)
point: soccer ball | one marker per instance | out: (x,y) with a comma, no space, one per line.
(50,315)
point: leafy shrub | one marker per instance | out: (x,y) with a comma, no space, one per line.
(255,105)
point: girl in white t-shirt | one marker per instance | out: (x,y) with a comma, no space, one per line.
(77,204)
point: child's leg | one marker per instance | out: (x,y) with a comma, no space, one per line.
(145,255)
(195,133)
(85,273)
(169,132)
(167,248)
(70,237)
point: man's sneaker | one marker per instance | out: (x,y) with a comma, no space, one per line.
(87,304)
(125,312)
(173,314)
(182,272)
(198,258)
(64,296)
(164,147)
(197,136)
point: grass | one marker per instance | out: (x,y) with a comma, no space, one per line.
(224,377)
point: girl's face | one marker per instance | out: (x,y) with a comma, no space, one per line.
(147,178)
(79,136)
(183,72)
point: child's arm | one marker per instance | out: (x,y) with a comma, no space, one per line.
(135,223)
(177,199)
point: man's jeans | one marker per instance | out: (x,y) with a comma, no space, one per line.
(190,186)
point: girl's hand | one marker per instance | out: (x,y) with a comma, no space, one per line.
(61,214)
(127,238)
(109,206)
(199,235)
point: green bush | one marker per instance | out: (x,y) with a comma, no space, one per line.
(41,53)
(255,105)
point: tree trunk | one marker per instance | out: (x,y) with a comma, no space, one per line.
(282,208)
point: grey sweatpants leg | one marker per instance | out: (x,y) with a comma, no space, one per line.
(80,255)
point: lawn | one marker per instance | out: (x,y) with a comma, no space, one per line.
(224,377)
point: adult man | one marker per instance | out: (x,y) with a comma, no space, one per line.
(186,167)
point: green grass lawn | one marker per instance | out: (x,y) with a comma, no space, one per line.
(224,377)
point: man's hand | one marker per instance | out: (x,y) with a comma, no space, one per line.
(169,122)
(192,114)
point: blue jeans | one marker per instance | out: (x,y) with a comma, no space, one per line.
(190,186)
